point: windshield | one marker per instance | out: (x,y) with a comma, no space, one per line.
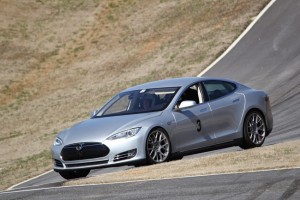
(138,101)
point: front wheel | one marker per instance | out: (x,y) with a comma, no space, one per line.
(74,174)
(158,147)
(254,130)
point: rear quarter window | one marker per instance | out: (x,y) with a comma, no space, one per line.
(216,89)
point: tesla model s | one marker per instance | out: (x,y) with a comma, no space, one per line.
(164,120)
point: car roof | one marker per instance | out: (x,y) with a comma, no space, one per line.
(172,82)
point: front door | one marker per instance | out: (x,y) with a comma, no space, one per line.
(193,124)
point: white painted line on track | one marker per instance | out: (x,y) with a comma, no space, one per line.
(203,72)
(10,188)
(34,186)
(146,180)
(239,38)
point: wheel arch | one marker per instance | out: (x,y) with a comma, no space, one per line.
(156,127)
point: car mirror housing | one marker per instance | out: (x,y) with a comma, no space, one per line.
(185,104)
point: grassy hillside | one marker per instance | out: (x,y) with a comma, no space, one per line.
(60,59)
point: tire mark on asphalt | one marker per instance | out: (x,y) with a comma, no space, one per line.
(260,190)
(293,187)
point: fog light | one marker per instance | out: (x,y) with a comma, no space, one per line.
(125,155)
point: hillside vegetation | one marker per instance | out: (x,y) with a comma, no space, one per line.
(60,59)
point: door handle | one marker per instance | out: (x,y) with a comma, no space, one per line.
(203,110)
(235,100)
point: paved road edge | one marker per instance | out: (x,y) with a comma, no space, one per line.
(145,180)
(12,187)
(239,38)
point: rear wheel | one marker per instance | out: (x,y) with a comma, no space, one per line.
(158,147)
(254,130)
(74,174)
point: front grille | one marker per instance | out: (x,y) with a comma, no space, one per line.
(58,163)
(87,150)
(87,164)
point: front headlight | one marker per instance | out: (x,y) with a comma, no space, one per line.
(57,142)
(124,134)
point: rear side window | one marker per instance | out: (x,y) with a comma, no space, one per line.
(216,89)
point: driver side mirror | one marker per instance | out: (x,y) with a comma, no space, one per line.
(185,104)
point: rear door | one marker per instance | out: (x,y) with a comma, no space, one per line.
(227,108)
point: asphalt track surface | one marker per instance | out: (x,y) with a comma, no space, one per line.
(267,58)
(281,184)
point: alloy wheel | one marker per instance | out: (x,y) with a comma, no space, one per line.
(158,146)
(256,128)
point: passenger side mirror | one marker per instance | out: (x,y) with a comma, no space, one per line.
(185,104)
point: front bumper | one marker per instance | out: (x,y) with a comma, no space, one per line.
(121,152)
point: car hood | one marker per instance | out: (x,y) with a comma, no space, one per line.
(98,129)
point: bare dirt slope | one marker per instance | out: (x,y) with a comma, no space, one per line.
(59,59)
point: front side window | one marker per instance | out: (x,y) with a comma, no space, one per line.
(138,101)
(216,89)
(193,93)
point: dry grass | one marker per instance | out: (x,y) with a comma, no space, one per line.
(23,168)
(60,59)
(284,155)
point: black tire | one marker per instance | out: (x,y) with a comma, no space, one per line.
(140,163)
(158,146)
(254,130)
(74,174)
(176,156)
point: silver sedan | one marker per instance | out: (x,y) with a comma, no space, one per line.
(164,120)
